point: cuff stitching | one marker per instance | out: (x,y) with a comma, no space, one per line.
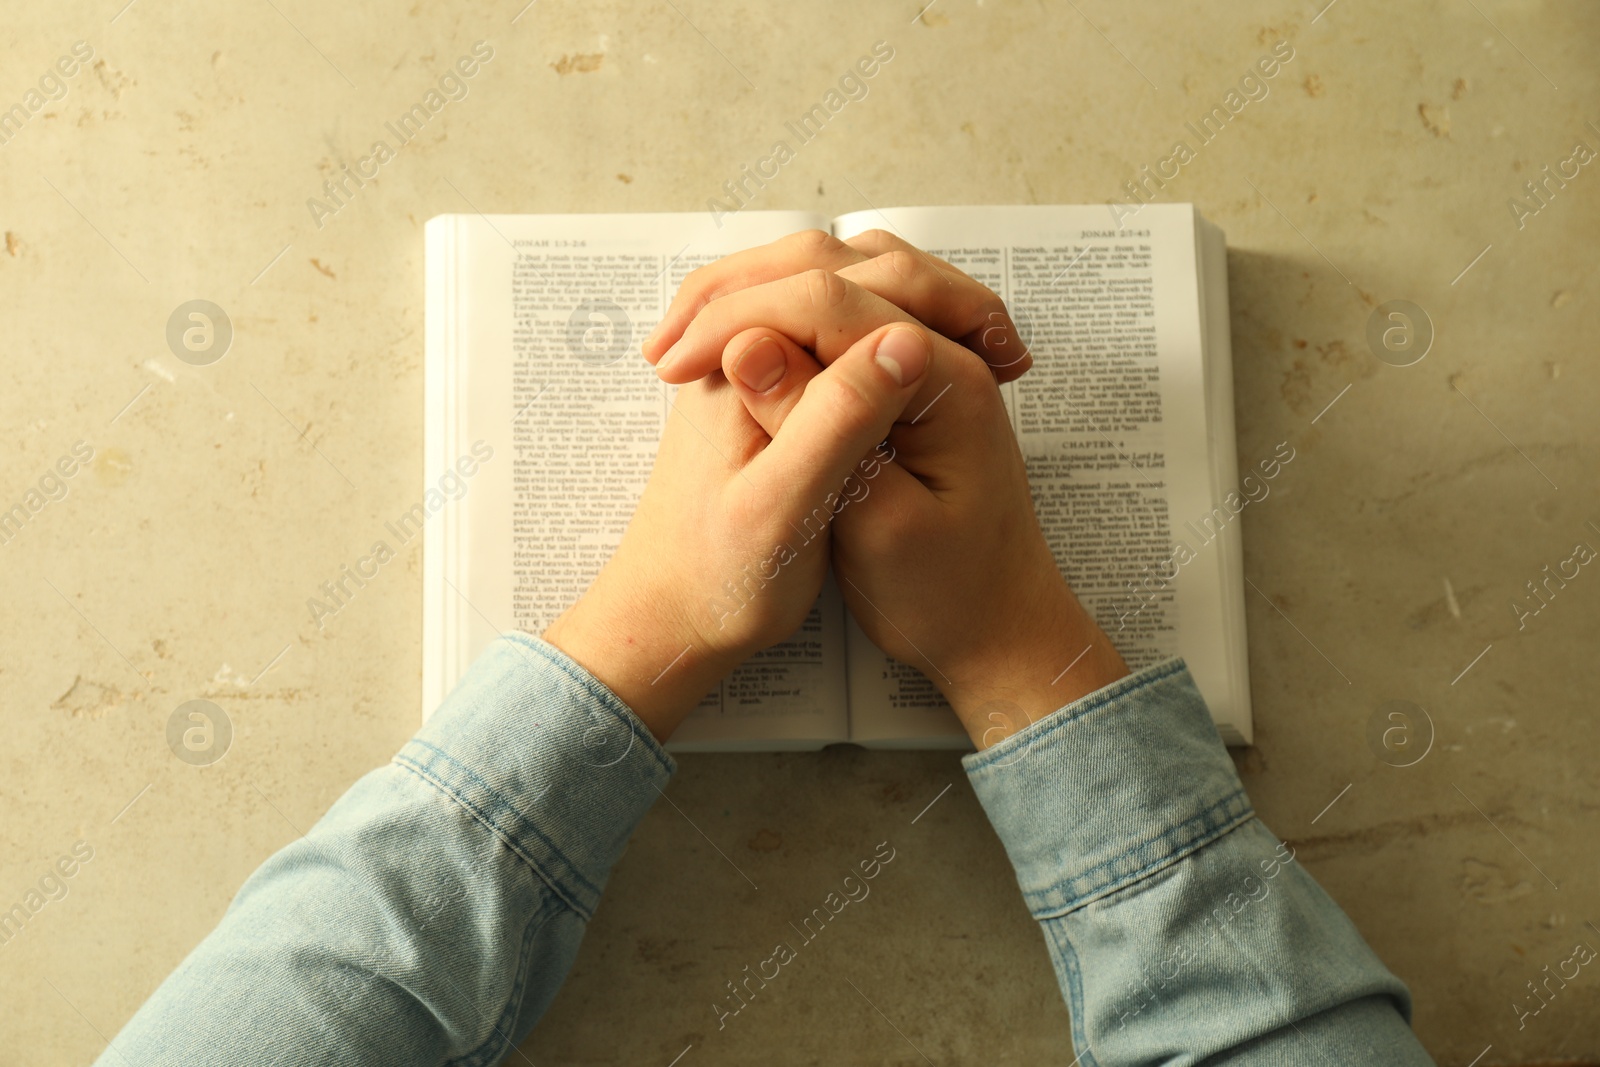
(506,837)
(1204,824)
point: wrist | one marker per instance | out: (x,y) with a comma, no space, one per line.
(1055,654)
(655,663)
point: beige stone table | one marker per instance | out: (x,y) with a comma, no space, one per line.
(175,164)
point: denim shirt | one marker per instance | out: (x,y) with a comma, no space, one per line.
(430,916)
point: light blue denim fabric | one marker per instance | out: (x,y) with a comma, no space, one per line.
(1182,931)
(431,915)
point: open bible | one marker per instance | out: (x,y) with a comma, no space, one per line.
(542,421)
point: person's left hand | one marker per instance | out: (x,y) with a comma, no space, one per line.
(926,288)
(729,546)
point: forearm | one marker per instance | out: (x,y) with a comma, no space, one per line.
(1176,922)
(431,915)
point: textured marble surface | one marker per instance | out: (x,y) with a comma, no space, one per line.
(1380,165)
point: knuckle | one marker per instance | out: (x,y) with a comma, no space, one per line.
(696,282)
(970,372)
(824,290)
(955,271)
(902,263)
(814,242)
(876,238)
(988,309)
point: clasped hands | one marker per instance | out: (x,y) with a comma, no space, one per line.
(839,401)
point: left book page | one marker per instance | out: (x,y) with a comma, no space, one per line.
(536,386)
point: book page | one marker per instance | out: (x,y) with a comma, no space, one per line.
(1112,422)
(549,315)
(1238,727)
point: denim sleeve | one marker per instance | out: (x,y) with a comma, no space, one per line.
(429,917)
(1181,930)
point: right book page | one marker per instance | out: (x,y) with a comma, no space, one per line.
(1126,431)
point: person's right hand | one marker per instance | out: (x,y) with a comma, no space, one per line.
(940,555)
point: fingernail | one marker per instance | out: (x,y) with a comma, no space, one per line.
(669,355)
(650,338)
(760,366)
(902,354)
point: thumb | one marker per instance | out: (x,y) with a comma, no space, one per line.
(845,411)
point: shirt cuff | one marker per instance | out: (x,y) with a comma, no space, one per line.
(1109,789)
(547,758)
